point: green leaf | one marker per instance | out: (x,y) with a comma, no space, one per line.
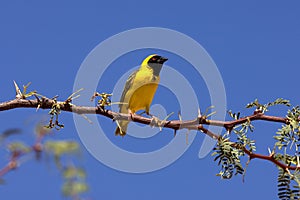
(18,147)
(255,103)
(74,188)
(234,115)
(62,147)
(264,107)
(72,172)
(279,101)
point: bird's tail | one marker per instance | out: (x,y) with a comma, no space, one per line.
(122,128)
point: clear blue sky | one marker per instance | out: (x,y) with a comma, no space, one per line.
(255,45)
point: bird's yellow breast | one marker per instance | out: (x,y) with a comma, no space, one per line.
(144,88)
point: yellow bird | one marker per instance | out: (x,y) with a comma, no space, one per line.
(139,89)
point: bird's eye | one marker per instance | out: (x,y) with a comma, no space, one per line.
(153,58)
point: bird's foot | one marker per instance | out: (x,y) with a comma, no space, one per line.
(131,115)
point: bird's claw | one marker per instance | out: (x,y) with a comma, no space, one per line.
(131,115)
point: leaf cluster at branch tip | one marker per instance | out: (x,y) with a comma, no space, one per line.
(264,107)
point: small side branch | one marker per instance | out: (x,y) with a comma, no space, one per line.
(270,158)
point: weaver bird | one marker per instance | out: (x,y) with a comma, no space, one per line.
(139,89)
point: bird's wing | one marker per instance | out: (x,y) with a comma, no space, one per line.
(128,84)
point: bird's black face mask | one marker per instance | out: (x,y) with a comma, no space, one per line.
(156,63)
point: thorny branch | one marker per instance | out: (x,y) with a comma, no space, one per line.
(196,124)
(46,103)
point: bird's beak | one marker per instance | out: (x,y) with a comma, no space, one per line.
(162,60)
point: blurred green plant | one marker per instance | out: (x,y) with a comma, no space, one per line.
(63,151)
(74,181)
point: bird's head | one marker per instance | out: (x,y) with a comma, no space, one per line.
(155,62)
